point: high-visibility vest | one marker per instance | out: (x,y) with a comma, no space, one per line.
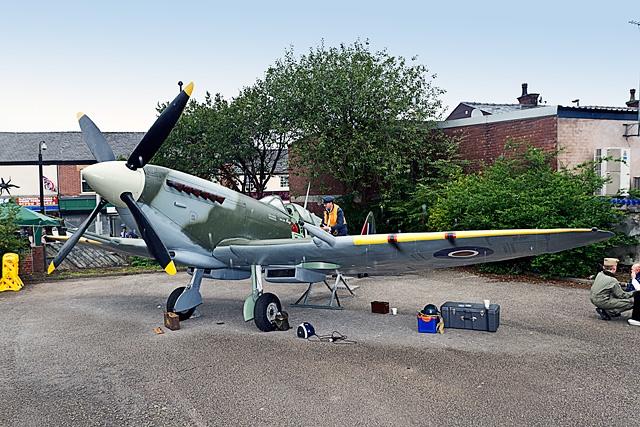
(331,218)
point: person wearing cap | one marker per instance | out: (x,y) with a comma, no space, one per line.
(634,285)
(635,271)
(333,221)
(607,294)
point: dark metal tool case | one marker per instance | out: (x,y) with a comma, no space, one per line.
(466,315)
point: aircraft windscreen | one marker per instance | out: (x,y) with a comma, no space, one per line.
(305,214)
(276,202)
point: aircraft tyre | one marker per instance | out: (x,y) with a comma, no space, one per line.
(171,303)
(265,311)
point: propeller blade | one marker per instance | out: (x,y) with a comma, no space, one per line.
(95,139)
(71,242)
(154,244)
(155,136)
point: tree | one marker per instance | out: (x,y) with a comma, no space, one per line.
(239,143)
(9,241)
(203,142)
(367,118)
(264,134)
(524,190)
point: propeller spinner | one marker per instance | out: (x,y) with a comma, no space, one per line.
(122,183)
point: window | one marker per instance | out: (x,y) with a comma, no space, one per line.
(85,188)
(284,181)
(636,182)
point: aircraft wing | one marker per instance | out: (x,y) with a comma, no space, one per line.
(125,246)
(405,252)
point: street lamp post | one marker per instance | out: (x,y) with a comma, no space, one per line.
(41,146)
(638,24)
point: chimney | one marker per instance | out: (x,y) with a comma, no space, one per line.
(528,99)
(632,102)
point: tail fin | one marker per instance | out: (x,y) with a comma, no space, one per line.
(369,226)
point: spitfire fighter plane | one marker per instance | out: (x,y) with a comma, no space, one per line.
(221,234)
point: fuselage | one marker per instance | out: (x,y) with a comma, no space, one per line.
(188,211)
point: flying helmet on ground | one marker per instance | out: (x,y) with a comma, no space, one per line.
(430,310)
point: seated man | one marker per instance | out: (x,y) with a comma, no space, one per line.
(606,293)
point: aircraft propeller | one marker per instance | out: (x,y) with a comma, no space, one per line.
(95,140)
(69,244)
(151,238)
(114,183)
(158,132)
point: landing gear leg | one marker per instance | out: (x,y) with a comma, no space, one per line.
(184,300)
(261,307)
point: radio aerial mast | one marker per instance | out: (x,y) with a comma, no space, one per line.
(638,124)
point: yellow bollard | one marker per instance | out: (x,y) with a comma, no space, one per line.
(10,280)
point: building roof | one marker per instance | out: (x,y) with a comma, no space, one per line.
(21,148)
(531,105)
(598,112)
(69,148)
(492,113)
(282,165)
(465,109)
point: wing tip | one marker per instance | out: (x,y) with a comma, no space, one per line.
(80,115)
(51,268)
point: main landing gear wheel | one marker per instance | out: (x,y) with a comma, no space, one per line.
(171,303)
(265,311)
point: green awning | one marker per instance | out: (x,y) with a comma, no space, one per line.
(28,217)
(78,204)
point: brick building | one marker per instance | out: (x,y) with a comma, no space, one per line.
(67,195)
(66,154)
(582,132)
(324,185)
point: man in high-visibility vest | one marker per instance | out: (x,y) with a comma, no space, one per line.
(333,221)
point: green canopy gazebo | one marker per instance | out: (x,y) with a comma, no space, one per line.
(29,218)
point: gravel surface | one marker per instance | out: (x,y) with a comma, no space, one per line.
(83,352)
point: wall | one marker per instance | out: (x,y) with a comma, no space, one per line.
(69,180)
(27,179)
(319,187)
(484,142)
(33,262)
(580,138)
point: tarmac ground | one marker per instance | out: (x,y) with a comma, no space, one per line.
(83,352)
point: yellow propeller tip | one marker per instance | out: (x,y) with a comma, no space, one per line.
(170,268)
(189,89)
(79,115)
(51,268)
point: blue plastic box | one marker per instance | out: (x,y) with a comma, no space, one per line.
(427,324)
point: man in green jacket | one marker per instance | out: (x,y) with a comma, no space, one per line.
(606,293)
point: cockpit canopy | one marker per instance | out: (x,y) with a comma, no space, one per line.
(294,210)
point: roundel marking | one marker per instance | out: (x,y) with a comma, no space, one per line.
(463,252)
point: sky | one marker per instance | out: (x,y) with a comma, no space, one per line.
(116,60)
